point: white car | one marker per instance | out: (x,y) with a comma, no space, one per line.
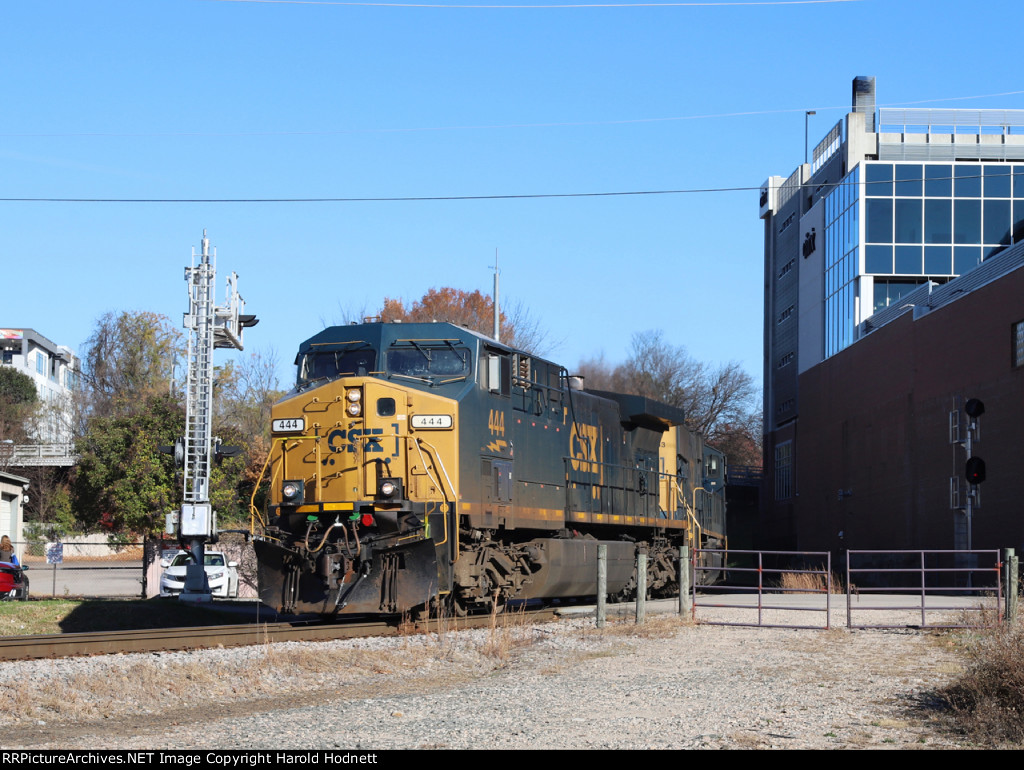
(221,574)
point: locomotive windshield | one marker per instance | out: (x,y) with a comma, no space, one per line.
(327,364)
(433,361)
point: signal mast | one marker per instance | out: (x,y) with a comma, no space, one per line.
(209,327)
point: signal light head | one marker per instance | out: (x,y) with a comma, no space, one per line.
(974,470)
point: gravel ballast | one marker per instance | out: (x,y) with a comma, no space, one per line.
(563,685)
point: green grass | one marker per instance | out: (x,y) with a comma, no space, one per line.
(66,616)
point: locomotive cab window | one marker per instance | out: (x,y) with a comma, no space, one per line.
(434,361)
(327,364)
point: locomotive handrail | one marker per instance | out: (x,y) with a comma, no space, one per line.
(426,469)
(254,512)
(628,469)
(437,457)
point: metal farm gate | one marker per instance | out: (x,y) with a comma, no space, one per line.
(912,586)
(881,589)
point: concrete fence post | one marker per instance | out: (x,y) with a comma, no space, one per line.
(641,585)
(602,585)
(1010,585)
(685,599)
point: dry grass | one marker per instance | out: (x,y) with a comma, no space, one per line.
(986,702)
(654,627)
(802,582)
(168,683)
(507,631)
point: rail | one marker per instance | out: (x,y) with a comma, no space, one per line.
(245,634)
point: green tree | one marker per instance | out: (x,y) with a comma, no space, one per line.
(122,482)
(18,402)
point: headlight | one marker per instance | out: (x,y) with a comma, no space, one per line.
(292,492)
(354,395)
(215,575)
(389,489)
(354,409)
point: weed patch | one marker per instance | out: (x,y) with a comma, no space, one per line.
(986,702)
(804,582)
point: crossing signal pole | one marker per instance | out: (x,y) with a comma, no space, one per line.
(209,327)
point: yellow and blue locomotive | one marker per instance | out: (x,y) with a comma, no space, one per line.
(419,466)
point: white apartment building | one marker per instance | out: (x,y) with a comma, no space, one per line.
(54,370)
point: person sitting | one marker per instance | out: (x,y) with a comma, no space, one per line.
(7,553)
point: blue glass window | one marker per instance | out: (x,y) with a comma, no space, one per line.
(1018,221)
(1018,181)
(968,181)
(997,221)
(939,181)
(997,181)
(908,220)
(938,260)
(938,220)
(908,260)
(966,221)
(878,259)
(879,220)
(966,258)
(878,179)
(908,180)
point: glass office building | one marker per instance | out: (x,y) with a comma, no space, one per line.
(922,221)
(892,199)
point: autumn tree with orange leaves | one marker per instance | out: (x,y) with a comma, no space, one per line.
(473,310)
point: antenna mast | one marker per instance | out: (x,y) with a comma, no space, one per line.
(497,310)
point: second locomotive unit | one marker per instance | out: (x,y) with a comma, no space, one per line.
(421,466)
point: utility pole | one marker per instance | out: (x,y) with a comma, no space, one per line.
(209,327)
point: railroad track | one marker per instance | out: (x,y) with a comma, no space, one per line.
(201,637)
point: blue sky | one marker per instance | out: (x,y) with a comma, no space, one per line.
(201,99)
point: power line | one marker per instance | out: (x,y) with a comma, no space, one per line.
(554,124)
(522,7)
(509,196)
(396,199)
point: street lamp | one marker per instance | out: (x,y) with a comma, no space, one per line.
(807,114)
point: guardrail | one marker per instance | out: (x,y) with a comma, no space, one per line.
(16,455)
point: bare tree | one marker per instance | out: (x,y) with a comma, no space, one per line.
(719,401)
(128,359)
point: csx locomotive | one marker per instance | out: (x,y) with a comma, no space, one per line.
(421,466)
